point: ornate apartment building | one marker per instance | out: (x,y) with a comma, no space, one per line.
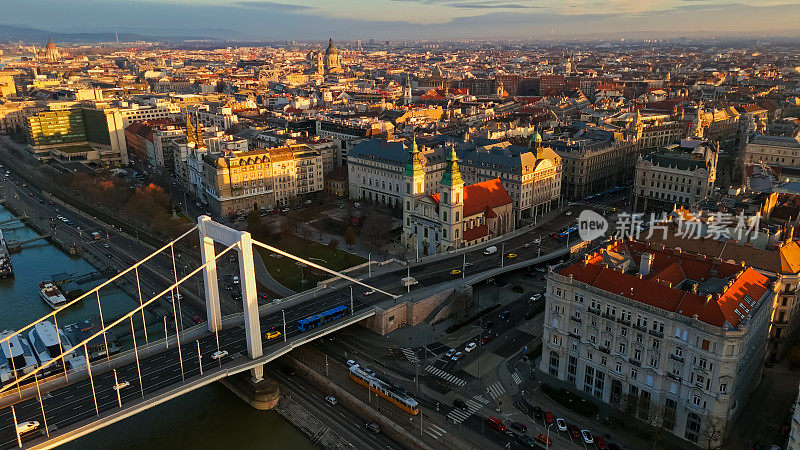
(673,338)
(678,174)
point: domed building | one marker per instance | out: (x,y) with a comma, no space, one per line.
(332,60)
(51,53)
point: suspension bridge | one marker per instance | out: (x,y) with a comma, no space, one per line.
(47,404)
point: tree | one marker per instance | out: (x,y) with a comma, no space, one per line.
(254,226)
(350,237)
(714,434)
(375,226)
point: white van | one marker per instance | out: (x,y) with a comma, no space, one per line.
(490,250)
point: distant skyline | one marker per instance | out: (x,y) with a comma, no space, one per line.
(409,19)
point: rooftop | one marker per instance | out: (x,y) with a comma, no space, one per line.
(719,293)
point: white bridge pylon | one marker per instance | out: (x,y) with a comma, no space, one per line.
(211,232)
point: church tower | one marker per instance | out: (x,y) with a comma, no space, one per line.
(407,92)
(190,137)
(451,204)
(414,177)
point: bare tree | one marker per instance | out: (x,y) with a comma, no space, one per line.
(714,435)
(350,237)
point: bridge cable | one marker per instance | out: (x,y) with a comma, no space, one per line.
(97,288)
(144,323)
(136,352)
(116,322)
(103,324)
(175,315)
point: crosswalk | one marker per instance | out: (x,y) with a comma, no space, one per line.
(473,404)
(496,390)
(434,431)
(517,379)
(446,376)
(410,355)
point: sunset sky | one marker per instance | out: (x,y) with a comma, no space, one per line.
(409,19)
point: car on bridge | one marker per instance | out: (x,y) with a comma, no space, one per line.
(455,272)
(27,426)
(272,335)
(373,427)
(331,400)
(219,354)
(512,255)
(121,385)
(198,319)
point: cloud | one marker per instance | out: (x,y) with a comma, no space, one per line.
(476,5)
(273,5)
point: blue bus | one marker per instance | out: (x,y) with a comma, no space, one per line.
(563,235)
(324,317)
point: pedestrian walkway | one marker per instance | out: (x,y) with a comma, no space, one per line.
(516,378)
(410,355)
(446,376)
(434,431)
(475,403)
(496,390)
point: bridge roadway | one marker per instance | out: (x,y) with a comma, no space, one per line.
(67,406)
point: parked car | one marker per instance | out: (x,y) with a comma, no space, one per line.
(519,427)
(543,439)
(587,437)
(537,412)
(561,424)
(548,417)
(600,443)
(574,431)
(457,356)
(450,352)
(460,404)
(470,347)
(495,424)
(504,314)
(331,400)
(486,340)
(535,297)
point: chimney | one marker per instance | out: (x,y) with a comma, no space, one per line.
(644,264)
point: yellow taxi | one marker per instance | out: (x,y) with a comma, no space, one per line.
(272,335)
(512,255)
(455,272)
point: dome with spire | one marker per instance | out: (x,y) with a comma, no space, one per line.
(331,50)
(50,45)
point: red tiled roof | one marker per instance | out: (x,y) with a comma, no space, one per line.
(479,196)
(476,233)
(670,266)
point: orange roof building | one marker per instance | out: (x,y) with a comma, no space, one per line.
(685,332)
(456,215)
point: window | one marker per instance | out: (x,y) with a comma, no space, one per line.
(723,388)
(554,360)
(679,352)
(649,380)
(622,347)
(572,369)
(637,354)
(656,344)
(634,374)
(619,367)
(639,338)
(603,360)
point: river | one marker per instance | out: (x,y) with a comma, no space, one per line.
(210,417)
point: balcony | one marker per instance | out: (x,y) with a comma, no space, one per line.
(574,335)
(627,323)
(576,319)
(635,362)
(605,350)
(608,316)
(639,327)
(676,357)
(595,311)
(656,333)
(674,377)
